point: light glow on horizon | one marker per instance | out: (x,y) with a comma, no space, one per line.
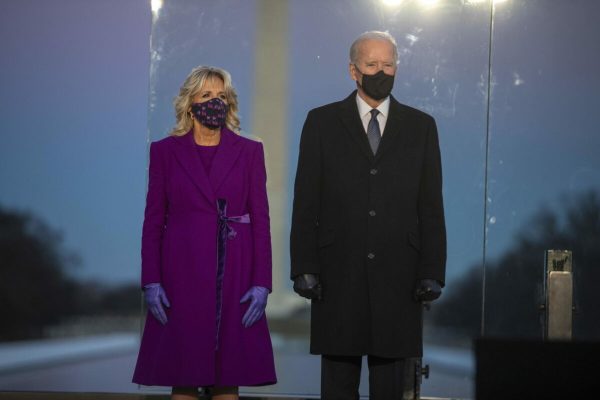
(475,2)
(392,3)
(425,3)
(156,5)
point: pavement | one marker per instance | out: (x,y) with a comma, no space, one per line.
(105,363)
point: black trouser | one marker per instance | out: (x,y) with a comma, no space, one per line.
(340,377)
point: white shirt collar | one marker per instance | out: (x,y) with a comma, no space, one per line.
(364,108)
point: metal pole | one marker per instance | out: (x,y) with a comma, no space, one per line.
(558,295)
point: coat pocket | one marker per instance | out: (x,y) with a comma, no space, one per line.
(414,241)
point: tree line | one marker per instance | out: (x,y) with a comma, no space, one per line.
(38,291)
(36,288)
(513,287)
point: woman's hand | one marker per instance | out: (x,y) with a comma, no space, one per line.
(155,297)
(257,295)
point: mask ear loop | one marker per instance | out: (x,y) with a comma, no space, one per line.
(361,74)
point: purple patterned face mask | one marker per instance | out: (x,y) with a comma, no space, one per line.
(211,113)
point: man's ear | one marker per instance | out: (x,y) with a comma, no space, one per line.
(353,72)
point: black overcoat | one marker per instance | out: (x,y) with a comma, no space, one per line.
(370,226)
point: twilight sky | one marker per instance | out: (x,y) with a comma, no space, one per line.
(74,79)
(73,111)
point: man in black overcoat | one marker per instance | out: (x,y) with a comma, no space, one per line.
(368,237)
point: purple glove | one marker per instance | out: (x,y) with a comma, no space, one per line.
(155,298)
(258,301)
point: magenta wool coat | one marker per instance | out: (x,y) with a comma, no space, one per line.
(179,250)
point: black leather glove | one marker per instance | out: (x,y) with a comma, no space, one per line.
(307,285)
(427,290)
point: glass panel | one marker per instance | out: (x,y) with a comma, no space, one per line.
(544,169)
(285,58)
(303,47)
(72,176)
(443,66)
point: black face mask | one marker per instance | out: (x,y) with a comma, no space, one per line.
(377,86)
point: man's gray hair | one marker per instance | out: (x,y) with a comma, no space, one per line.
(372,35)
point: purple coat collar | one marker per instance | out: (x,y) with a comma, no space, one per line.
(225,158)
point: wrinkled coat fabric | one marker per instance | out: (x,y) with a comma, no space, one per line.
(179,250)
(370,226)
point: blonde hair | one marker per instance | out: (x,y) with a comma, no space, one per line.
(191,86)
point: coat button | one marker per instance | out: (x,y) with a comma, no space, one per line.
(371,256)
(373,171)
(372,213)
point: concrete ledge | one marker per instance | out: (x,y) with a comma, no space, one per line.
(27,355)
(116,396)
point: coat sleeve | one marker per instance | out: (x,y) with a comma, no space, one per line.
(259,217)
(306,205)
(431,211)
(155,217)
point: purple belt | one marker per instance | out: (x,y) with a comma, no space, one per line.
(224,232)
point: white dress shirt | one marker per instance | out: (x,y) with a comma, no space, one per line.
(364,111)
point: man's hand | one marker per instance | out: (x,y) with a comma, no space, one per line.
(427,290)
(307,285)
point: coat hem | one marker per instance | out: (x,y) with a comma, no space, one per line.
(366,353)
(265,382)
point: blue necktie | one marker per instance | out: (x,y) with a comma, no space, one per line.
(373,133)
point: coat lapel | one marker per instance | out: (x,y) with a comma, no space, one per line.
(187,156)
(353,124)
(225,158)
(393,128)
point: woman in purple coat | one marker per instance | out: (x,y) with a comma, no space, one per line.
(206,250)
